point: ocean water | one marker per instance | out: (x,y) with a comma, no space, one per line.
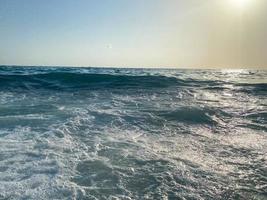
(93,133)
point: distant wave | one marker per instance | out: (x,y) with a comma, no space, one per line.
(67,80)
(71,80)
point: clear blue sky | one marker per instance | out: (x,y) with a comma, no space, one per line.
(134,33)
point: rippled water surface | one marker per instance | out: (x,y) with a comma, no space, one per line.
(87,133)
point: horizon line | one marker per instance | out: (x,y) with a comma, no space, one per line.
(135,67)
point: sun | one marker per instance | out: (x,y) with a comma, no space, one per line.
(242,4)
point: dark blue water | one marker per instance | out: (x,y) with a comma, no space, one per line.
(93,133)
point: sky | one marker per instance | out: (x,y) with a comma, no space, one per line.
(134,33)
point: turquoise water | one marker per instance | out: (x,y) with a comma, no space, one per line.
(93,133)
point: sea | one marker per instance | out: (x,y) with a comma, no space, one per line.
(125,134)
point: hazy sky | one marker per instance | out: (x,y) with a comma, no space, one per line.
(134,33)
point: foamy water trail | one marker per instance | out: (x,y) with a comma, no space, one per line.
(86,133)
